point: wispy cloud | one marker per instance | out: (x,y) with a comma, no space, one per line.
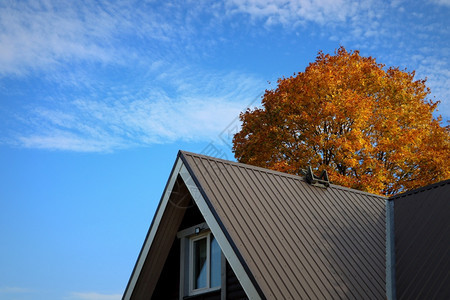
(438,77)
(442,2)
(198,110)
(41,35)
(396,32)
(93,296)
(368,23)
(130,66)
(298,12)
(159,97)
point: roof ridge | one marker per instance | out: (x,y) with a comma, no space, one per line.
(242,165)
(421,189)
(279,173)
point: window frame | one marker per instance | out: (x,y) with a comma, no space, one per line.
(207,288)
(187,238)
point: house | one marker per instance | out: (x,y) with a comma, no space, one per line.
(225,230)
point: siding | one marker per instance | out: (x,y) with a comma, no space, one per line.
(167,287)
(422,241)
(296,240)
(168,284)
(164,238)
(234,288)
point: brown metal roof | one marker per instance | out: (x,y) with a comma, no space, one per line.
(297,241)
(422,242)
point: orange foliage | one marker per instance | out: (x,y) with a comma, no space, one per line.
(371,128)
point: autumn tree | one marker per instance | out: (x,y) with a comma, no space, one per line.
(369,126)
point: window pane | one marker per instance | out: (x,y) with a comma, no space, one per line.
(215,263)
(200,264)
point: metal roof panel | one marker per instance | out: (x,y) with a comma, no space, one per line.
(298,241)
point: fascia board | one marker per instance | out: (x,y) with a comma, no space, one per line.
(153,229)
(390,251)
(215,228)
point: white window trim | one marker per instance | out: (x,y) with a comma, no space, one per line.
(187,238)
(208,287)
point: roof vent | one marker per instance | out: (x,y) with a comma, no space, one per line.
(320,181)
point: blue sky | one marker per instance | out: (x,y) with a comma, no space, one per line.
(96,98)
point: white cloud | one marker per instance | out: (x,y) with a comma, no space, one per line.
(438,79)
(288,12)
(442,2)
(39,35)
(172,101)
(393,31)
(101,126)
(199,110)
(94,296)
(66,41)
(63,140)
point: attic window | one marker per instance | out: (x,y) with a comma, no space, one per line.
(201,261)
(204,262)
